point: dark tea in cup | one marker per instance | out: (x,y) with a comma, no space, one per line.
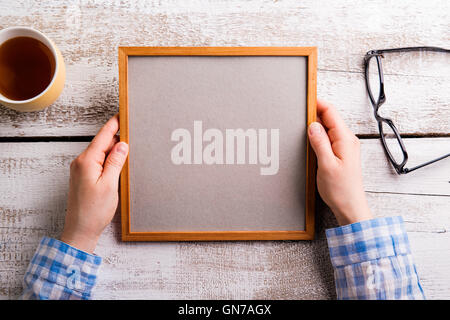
(32,70)
(27,67)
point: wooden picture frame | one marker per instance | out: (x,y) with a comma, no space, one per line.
(308,233)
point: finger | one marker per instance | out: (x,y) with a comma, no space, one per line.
(96,158)
(102,142)
(114,140)
(114,163)
(321,144)
(331,119)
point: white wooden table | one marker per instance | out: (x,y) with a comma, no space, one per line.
(37,148)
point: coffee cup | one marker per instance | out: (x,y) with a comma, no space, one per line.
(32,70)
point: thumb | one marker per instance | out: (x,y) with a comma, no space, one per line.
(320,142)
(114,162)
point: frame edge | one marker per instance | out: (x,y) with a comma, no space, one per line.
(124,136)
(308,233)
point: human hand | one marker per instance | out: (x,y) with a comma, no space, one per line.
(339,176)
(93,188)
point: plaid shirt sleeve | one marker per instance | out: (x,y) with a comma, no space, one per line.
(372,260)
(60,271)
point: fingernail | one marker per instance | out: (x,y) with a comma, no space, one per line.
(122,148)
(314,128)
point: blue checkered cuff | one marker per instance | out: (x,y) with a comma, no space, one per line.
(367,240)
(60,271)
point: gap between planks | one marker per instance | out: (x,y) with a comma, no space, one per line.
(89,138)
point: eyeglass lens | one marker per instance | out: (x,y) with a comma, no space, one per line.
(374,78)
(392,144)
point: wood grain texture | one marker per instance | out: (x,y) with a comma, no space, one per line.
(380,176)
(89,32)
(34,176)
(33,198)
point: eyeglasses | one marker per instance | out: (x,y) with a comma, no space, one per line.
(390,137)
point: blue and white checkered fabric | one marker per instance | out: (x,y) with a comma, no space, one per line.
(60,271)
(372,260)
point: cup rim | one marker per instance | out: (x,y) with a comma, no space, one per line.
(55,56)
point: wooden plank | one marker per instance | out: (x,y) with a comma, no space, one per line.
(418,106)
(380,176)
(417,84)
(33,197)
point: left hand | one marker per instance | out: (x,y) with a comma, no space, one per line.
(93,190)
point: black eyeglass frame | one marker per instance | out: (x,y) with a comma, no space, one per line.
(378,54)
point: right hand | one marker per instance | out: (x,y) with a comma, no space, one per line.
(339,176)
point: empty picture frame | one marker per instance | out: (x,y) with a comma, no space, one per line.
(218,145)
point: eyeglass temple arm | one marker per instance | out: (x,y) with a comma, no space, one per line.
(407,170)
(407,49)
